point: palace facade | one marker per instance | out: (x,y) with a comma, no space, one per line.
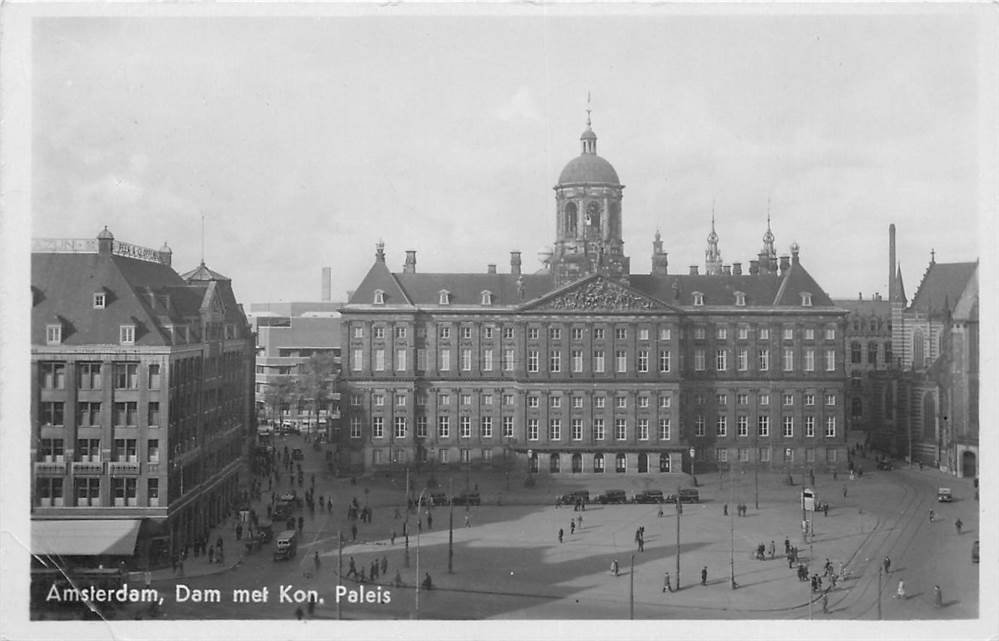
(584,367)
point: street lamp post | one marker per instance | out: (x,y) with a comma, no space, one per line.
(450,527)
(419,508)
(631,591)
(692,474)
(679,511)
(731,530)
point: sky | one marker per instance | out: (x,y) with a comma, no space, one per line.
(303,140)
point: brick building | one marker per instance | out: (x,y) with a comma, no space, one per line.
(584,367)
(142,396)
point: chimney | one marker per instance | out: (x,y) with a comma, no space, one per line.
(693,270)
(891,262)
(515,263)
(409,267)
(166,255)
(754,267)
(491,268)
(105,242)
(785,263)
(327,284)
(737,269)
(727,270)
(380,251)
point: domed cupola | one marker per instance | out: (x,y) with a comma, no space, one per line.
(588,217)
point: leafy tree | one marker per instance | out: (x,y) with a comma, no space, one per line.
(280,392)
(316,382)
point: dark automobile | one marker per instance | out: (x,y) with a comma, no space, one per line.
(612,496)
(687,495)
(570,498)
(282,511)
(468,498)
(297,454)
(649,496)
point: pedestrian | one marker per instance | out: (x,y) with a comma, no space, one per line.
(660,515)
(572,526)
(560,535)
(773,549)
(315,560)
(614,567)
(312,605)
(844,487)
(932,515)
(468,521)
(787,545)
(887,565)
(704,575)
(329,505)
(900,590)
(384,567)
(667,586)
(938,596)
(790,560)
(825,509)
(211,555)
(352,571)
(958,524)
(724,510)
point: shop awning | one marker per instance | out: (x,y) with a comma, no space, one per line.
(113,537)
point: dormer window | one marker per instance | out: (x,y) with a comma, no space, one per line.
(53,334)
(487,297)
(379,297)
(445,297)
(698,299)
(100,300)
(126,334)
(740,299)
(806,299)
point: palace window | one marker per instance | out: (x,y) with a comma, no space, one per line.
(664,429)
(53,334)
(598,429)
(721,425)
(487,297)
(507,427)
(763,425)
(445,297)
(443,426)
(379,297)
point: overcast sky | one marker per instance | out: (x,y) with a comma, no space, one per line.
(304,140)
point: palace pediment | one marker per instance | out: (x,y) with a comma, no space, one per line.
(597,294)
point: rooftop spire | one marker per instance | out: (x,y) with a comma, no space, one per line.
(712,255)
(589,138)
(587,108)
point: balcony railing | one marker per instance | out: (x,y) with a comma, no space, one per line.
(124,467)
(50,467)
(87,467)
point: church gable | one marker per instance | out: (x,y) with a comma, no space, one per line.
(596,294)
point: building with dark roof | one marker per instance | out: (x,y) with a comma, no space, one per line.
(141,400)
(935,339)
(585,367)
(870,365)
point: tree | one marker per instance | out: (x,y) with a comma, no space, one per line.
(316,382)
(278,393)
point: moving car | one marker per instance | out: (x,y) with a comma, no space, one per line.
(612,496)
(286,545)
(649,496)
(687,495)
(944,495)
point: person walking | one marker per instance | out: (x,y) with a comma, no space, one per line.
(887,565)
(315,560)
(384,568)
(352,570)
(937,596)
(787,545)
(560,535)
(614,567)
(900,590)
(958,524)
(704,575)
(572,527)
(667,585)
(468,521)
(773,549)
(933,515)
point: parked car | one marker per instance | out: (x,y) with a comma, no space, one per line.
(649,496)
(468,498)
(612,496)
(944,495)
(687,495)
(570,498)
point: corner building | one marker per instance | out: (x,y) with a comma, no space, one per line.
(141,397)
(584,367)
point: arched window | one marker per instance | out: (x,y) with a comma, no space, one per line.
(855,355)
(929,430)
(598,463)
(571,219)
(740,299)
(698,298)
(379,297)
(593,217)
(917,349)
(554,464)
(806,299)
(643,463)
(577,463)
(445,297)
(664,462)
(487,297)
(620,463)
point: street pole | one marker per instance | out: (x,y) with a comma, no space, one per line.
(450,533)
(631,590)
(339,542)
(880,572)
(419,508)
(756,485)
(679,510)
(731,530)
